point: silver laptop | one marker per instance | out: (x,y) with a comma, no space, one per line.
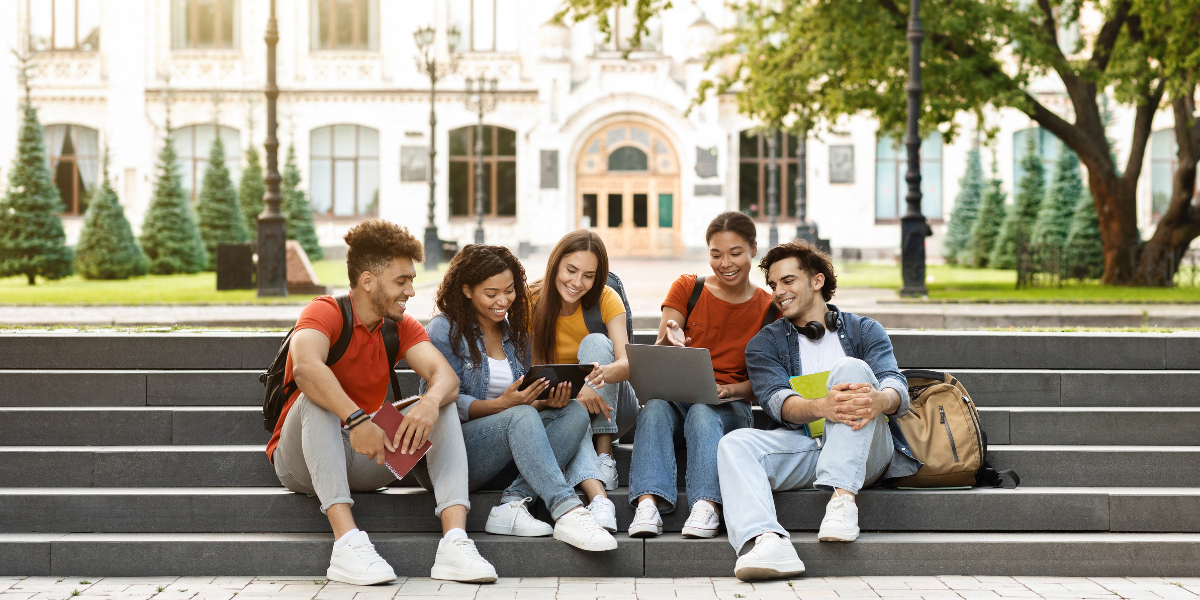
(672,373)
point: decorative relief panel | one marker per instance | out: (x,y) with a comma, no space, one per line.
(73,69)
(333,68)
(205,70)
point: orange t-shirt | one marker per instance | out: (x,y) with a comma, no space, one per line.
(720,326)
(363,370)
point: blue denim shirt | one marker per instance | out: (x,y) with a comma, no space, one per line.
(473,377)
(773,356)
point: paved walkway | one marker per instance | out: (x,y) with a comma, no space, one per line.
(700,588)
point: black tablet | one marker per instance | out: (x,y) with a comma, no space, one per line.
(555,374)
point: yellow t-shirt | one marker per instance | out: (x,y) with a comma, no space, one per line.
(569,331)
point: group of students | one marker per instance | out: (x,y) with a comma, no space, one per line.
(492,325)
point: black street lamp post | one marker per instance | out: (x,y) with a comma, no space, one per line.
(914,228)
(804,230)
(272,230)
(772,189)
(427,61)
(481,97)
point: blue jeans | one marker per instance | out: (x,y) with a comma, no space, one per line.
(541,444)
(597,348)
(661,427)
(752,464)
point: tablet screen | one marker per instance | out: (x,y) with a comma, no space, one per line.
(554,374)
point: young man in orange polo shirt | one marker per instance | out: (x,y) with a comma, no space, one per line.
(325,443)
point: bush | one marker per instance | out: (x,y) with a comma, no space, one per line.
(32,240)
(297,209)
(1058,207)
(988,223)
(251,190)
(966,210)
(1018,224)
(170,237)
(221,220)
(107,248)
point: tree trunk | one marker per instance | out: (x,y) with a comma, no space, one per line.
(1181,223)
(1116,208)
(32,278)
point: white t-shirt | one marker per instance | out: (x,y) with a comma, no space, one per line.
(500,377)
(818,356)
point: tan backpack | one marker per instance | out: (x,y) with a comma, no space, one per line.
(943,432)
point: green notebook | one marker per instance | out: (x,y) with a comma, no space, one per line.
(812,387)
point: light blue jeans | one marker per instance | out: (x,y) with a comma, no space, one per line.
(541,444)
(661,427)
(752,464)
(597,348)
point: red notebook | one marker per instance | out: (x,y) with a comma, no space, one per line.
(388,419)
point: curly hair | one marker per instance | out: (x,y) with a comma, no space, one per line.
(549,302)
(470,267)
(374,243)
(812,261)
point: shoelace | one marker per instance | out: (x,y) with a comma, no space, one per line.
(468,548)
(588,522)
(702,514)
(644,513)
(519,507)
(367,554)
(837,509)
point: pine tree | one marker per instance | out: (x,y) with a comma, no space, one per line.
(220,216)
(988,223)
(107,248)
(170,237)
(966,210)
(297,210)
(251,190)
(1058,207)
(32,240)
(1084,249)
(1018,224)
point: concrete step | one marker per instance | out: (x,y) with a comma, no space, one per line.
(1092,426)
(408,510)
(1032,554)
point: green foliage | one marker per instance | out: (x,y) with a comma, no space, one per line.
(107,248)
(170,237)
(32,240)
(297,210)
(1083,240)
(988,223)
(220,216)
(1018,225)
(251,190)
(1058,207)
(966,210)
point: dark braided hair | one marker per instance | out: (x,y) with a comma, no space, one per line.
(470,267)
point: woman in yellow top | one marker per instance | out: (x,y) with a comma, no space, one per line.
(575,281)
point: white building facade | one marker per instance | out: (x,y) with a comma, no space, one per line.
(581,135)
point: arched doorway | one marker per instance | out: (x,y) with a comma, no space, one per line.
(628,190)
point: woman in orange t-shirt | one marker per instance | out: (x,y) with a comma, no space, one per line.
(729,311)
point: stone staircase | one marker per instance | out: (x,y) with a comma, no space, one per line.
(127,454)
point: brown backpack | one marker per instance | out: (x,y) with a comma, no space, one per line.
(942,429)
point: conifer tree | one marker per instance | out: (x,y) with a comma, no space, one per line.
(170,237)
(251,190)
(220,216)
(988,222)
(1084,249)
(966,210)
(1018,224)
(107,248)
(32,240)
(1058,207)
(297,209)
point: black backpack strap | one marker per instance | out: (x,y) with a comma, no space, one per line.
(391,343)
(339,347)
(594,320)
(697,289)
(771,315)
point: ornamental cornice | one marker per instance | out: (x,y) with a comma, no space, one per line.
(601,107)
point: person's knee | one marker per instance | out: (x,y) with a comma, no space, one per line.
(733,446)
(313,414)
(594,347)
(850,370)
(654,412)
(524,416)
(701,418)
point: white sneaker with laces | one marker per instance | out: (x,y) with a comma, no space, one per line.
(608,471)
(604,512)
(457,559)
(703,522)
(646,521)
(772,557)
(841,520)
(513,518)
(356,562)
(578,528)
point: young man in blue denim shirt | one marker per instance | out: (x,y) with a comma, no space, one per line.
(857,448)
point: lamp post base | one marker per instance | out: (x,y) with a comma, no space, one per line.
(433,249)
(808,232)
(272,256)
(772,237)
(913,231)
(479,235)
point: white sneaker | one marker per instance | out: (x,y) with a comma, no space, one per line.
(608,472)
(841,520)
(703,522)
(646,521)
(604,512)
(458,560)
(772,557)
(578,528)
(513,518)
(358,563)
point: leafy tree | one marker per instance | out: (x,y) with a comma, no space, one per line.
(988,223)
(221,220)
(297,210)
(1018,225)
(1058,207)
(32,240)
(1085,253)
(966,210)
(251,190)
(170,237)
(107,248)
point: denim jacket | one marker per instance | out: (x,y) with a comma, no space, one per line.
(773,356)
(473,377)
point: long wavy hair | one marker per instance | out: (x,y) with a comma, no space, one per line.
(549,301)
(470,267)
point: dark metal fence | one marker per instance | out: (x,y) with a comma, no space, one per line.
(1052,265)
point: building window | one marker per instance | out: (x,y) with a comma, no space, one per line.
(891,164)
(499,172)
(345,24)
(487,25)
(622,20)
(73,152)
(192,147)
(1048,146)
(1164,159)
(752,173)
(344,165)
(70,25)
(202,24)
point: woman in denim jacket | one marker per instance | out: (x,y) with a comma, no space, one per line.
(482,330)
